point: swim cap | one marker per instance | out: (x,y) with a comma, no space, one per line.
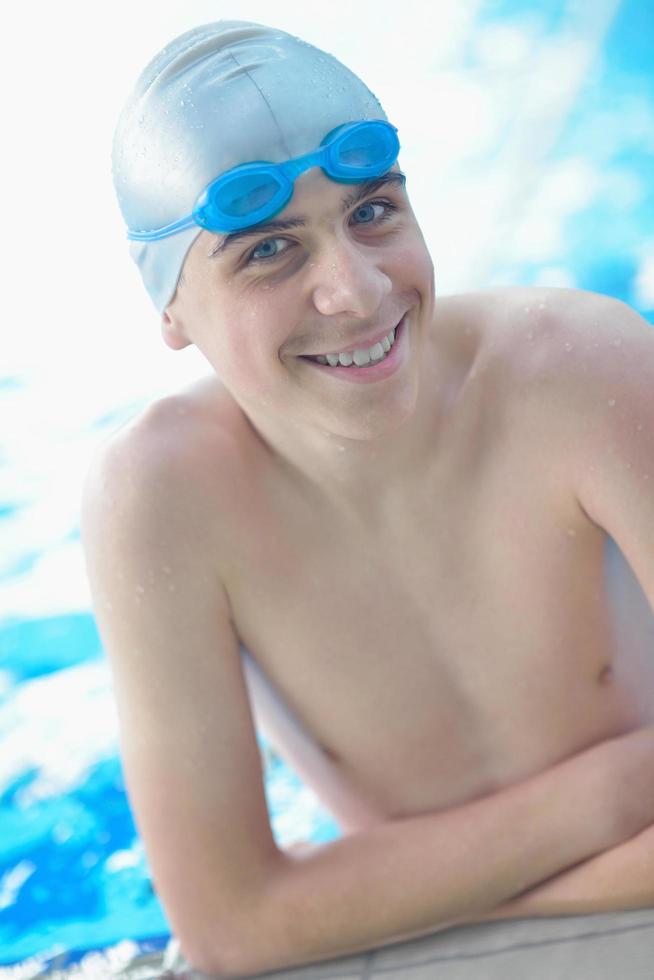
(217,96)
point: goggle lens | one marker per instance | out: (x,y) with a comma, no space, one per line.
(366,147)
(246,194)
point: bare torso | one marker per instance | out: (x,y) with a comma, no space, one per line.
(487,630)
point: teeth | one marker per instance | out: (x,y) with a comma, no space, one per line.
(360,357)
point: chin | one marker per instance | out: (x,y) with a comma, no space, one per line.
(378,423)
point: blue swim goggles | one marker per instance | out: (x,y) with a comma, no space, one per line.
(252,192)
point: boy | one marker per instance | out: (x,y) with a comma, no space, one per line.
(413,535)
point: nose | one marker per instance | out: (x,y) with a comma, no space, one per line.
(348,280)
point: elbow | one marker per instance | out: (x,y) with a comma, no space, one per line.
(230,963)
(221,953)
(214,949)
(189,957)
(254,942)
(214,962)
(246,959)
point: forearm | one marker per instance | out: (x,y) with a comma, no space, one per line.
(619,879)
(411,877)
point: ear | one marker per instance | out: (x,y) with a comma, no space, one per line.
(172,332)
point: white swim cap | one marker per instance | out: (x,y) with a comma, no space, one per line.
(217,96)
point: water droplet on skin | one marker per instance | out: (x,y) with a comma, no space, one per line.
(611,402)
(639,428)
(568,346)
(166,569)
(572,533)
(541,306)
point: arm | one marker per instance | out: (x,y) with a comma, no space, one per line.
(192,764)
(619,879)
(410,877)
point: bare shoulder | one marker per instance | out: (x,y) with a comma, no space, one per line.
(557,370)
(573,345)
(181,451)
(546,339)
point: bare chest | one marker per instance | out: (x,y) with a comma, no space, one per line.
(482,635)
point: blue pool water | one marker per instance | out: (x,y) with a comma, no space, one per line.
(73,873)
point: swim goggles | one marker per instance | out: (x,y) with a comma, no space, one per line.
(252,192)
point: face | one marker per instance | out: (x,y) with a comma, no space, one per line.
(347,265)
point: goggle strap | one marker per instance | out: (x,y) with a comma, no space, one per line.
(152,236)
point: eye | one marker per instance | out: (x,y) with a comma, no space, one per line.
(368,215)
(266,250)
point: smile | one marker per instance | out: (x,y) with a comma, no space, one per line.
(361,356)
(365,364)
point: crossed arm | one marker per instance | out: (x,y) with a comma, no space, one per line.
(618,879)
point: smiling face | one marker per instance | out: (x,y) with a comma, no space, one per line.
(335,271)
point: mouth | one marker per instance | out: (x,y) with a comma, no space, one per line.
(359,357)
(365,365)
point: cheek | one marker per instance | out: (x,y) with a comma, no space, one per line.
(243,337)
(414,263)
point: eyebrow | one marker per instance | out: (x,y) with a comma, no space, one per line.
(364,189)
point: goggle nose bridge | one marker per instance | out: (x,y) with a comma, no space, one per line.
(293,168)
